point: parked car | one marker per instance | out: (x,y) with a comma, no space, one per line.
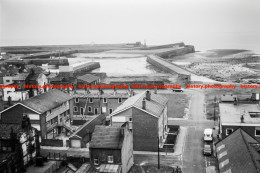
(207,150)
(177,90)
(208,135)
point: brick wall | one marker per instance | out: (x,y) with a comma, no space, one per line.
(52,142)
(145,131)
(249,129)
(14,114)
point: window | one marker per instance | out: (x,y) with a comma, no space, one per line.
(90,109)
(90,100)
(257,132)
(76,100)
(7,80)
(81,111)
(96,162)
(222,154)
(104,100)
(110,159)
(75,109)
(110,111)
(130,119)
(220,147)
(229,131)
(119,100)
(222,164)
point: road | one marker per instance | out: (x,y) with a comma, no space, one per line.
(193,161)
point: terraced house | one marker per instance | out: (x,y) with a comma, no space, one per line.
(50,113)
(94,103)
(147,116)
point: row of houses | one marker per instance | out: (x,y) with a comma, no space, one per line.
(137,122)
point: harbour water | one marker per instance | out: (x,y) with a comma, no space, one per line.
(118,64)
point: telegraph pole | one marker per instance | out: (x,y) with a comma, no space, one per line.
(158,152)
(215,100)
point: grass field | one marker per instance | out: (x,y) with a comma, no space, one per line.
(177,104)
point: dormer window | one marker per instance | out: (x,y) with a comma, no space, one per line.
(119,100)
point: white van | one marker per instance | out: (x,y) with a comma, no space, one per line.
(208,135)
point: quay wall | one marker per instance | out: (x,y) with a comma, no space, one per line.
(181,51)
(166,65)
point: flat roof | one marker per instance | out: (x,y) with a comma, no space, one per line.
(230,113)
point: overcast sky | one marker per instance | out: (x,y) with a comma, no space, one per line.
(207,24)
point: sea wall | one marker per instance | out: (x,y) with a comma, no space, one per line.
(180,51)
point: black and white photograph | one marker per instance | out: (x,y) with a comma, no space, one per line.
(129,86)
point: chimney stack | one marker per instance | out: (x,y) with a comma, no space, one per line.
(155,90)
(148,95)
(143,104)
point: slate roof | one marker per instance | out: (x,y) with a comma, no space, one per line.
(239,151)
(155,105)
(5,130)
(46,101)
(56,79)
(89,126)
(35,76)
(104,95)
(86,167)
(21,76)
(107,137)
(88,78)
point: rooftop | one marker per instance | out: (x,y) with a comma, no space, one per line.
(237,153)
(107,137)
(46,101)
(104,95)
(88,78)
(155,105)
(89,126)
(21,76)
(230,113)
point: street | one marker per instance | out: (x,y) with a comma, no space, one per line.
(193,160)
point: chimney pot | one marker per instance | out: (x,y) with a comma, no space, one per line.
(148,95)
(143,104)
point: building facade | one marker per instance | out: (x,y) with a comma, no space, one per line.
(112,147)
(50,113)
(147,117)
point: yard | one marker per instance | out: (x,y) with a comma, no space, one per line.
(177,104)
(210,94)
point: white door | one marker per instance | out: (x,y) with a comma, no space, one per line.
(75,143)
